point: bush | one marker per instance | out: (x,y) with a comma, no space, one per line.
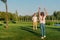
(57,23)
(4,22)
(50,23)
(1,24)
(13,21)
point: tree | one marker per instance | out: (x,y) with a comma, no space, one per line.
(5,2)
(16,15)
(57,15)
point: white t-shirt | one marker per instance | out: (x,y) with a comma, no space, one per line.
(34,18)
(42,21)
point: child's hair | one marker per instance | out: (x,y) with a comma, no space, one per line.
(34,14)
(42,14)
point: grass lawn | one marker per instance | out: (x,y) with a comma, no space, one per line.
(23,31)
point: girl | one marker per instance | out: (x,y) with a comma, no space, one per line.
(42,22)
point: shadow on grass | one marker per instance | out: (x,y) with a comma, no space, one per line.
(58,29)
(31,31)
(37,26)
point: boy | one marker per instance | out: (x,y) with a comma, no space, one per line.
(34,19)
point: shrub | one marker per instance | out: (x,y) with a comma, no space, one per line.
(50,23)
(4,22)
(13,21)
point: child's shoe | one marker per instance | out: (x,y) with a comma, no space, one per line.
(42,37)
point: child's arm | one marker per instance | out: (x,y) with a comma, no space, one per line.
(46,12)
(39,12)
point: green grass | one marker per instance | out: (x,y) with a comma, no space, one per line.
(23,31)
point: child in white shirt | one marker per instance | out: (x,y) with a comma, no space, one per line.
(34,19)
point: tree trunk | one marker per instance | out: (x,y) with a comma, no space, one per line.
(6,16)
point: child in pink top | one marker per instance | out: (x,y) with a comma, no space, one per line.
(42,22)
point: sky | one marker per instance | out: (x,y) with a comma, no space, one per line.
(28,7)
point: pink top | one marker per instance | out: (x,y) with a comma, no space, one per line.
(42,21)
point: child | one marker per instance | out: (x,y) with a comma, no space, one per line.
(34,19)
(42,22)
